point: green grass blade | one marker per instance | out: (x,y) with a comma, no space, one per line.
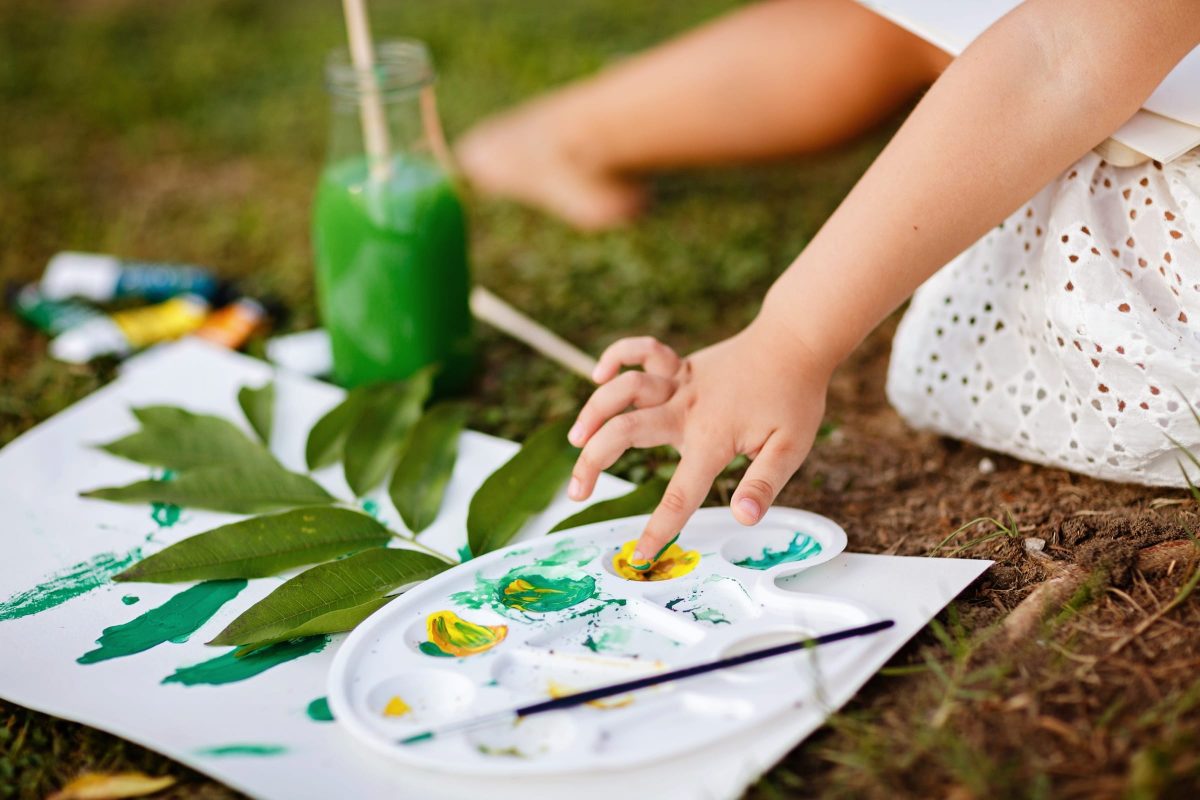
(522,487)
(180,440)
(420,479)
(259,407)
(255,548)
(328,588)
(641,500)
(245,488)
(377,439)
(327,439)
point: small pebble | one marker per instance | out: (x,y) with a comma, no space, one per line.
(987,466)
(1035,545)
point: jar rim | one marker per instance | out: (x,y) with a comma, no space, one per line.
(402,67)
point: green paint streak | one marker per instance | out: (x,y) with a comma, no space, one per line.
(801,547)
(173,621)
(710,615)
(318,710)
(420,737)
(611,639)
(371,507)
(229,668)
(535,589)
(67,584)
(464,553)
(566,553)
(130,599)
(243,750)
(431,649)
(165,514)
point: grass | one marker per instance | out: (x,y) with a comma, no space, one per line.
(195,132)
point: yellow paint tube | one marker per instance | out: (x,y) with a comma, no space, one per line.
(126,331)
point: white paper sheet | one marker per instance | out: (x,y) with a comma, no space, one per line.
(1170,131)
(45,527)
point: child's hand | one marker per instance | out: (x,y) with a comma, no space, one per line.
(760,393)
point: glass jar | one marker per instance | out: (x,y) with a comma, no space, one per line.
(389,232)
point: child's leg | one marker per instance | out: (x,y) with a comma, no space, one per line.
(775,78)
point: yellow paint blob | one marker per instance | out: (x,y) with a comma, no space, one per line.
(396,707)
(454,636)
(557,690)
(673,563)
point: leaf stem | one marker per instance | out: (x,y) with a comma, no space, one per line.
(412,540)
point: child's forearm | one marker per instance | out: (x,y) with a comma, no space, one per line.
(1029,97)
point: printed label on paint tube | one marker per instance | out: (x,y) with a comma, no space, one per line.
(103,278)
(50,316)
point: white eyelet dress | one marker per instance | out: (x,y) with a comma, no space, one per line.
(1069,335)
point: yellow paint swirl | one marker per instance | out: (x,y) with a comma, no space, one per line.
(451,635)
(673,563)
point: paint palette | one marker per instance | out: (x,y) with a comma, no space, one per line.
(565,613)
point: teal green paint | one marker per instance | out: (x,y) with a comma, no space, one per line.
(420,737)
(173,621)
(165,514)
(801,547)
(607,640)
(431,649)
(130,599)
(657,556)
(243,750)
(568,554)
(67,584)
(371,507)
(464,553)
(522,551)
(709,615)
(229,668)
(318,710)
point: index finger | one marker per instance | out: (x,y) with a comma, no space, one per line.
(688,487)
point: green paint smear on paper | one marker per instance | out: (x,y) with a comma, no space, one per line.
(243,750)
(130,599)
(464,553)
(165,514)
(67,584)
(801,547)
(318,710)
(173,621)
(371,507)
(229,668)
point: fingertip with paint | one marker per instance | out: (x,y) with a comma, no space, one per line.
(642,564)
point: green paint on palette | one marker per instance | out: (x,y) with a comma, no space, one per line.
(318,710)
(67,584)
(611,639)
(173,621)
(243,750)
(431,649)
(533,589)
(130,599)
(229,668)
(699,613)
(801,547)
(464,553)
(566,553)
(420,737)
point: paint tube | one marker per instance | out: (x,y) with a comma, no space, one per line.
(307,353)
(126,331)
(103,278)
(232,325)
(49,316)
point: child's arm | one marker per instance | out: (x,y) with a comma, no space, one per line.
(1037,90)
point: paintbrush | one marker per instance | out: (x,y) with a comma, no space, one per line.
(600,692)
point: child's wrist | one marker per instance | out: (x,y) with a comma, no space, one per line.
(780,325)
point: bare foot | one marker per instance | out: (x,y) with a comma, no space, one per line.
(526,155)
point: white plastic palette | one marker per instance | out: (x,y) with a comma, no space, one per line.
(560,619)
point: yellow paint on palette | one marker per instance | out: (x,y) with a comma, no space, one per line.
(451,635)
(557,690)
(673,563)
(396,707)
